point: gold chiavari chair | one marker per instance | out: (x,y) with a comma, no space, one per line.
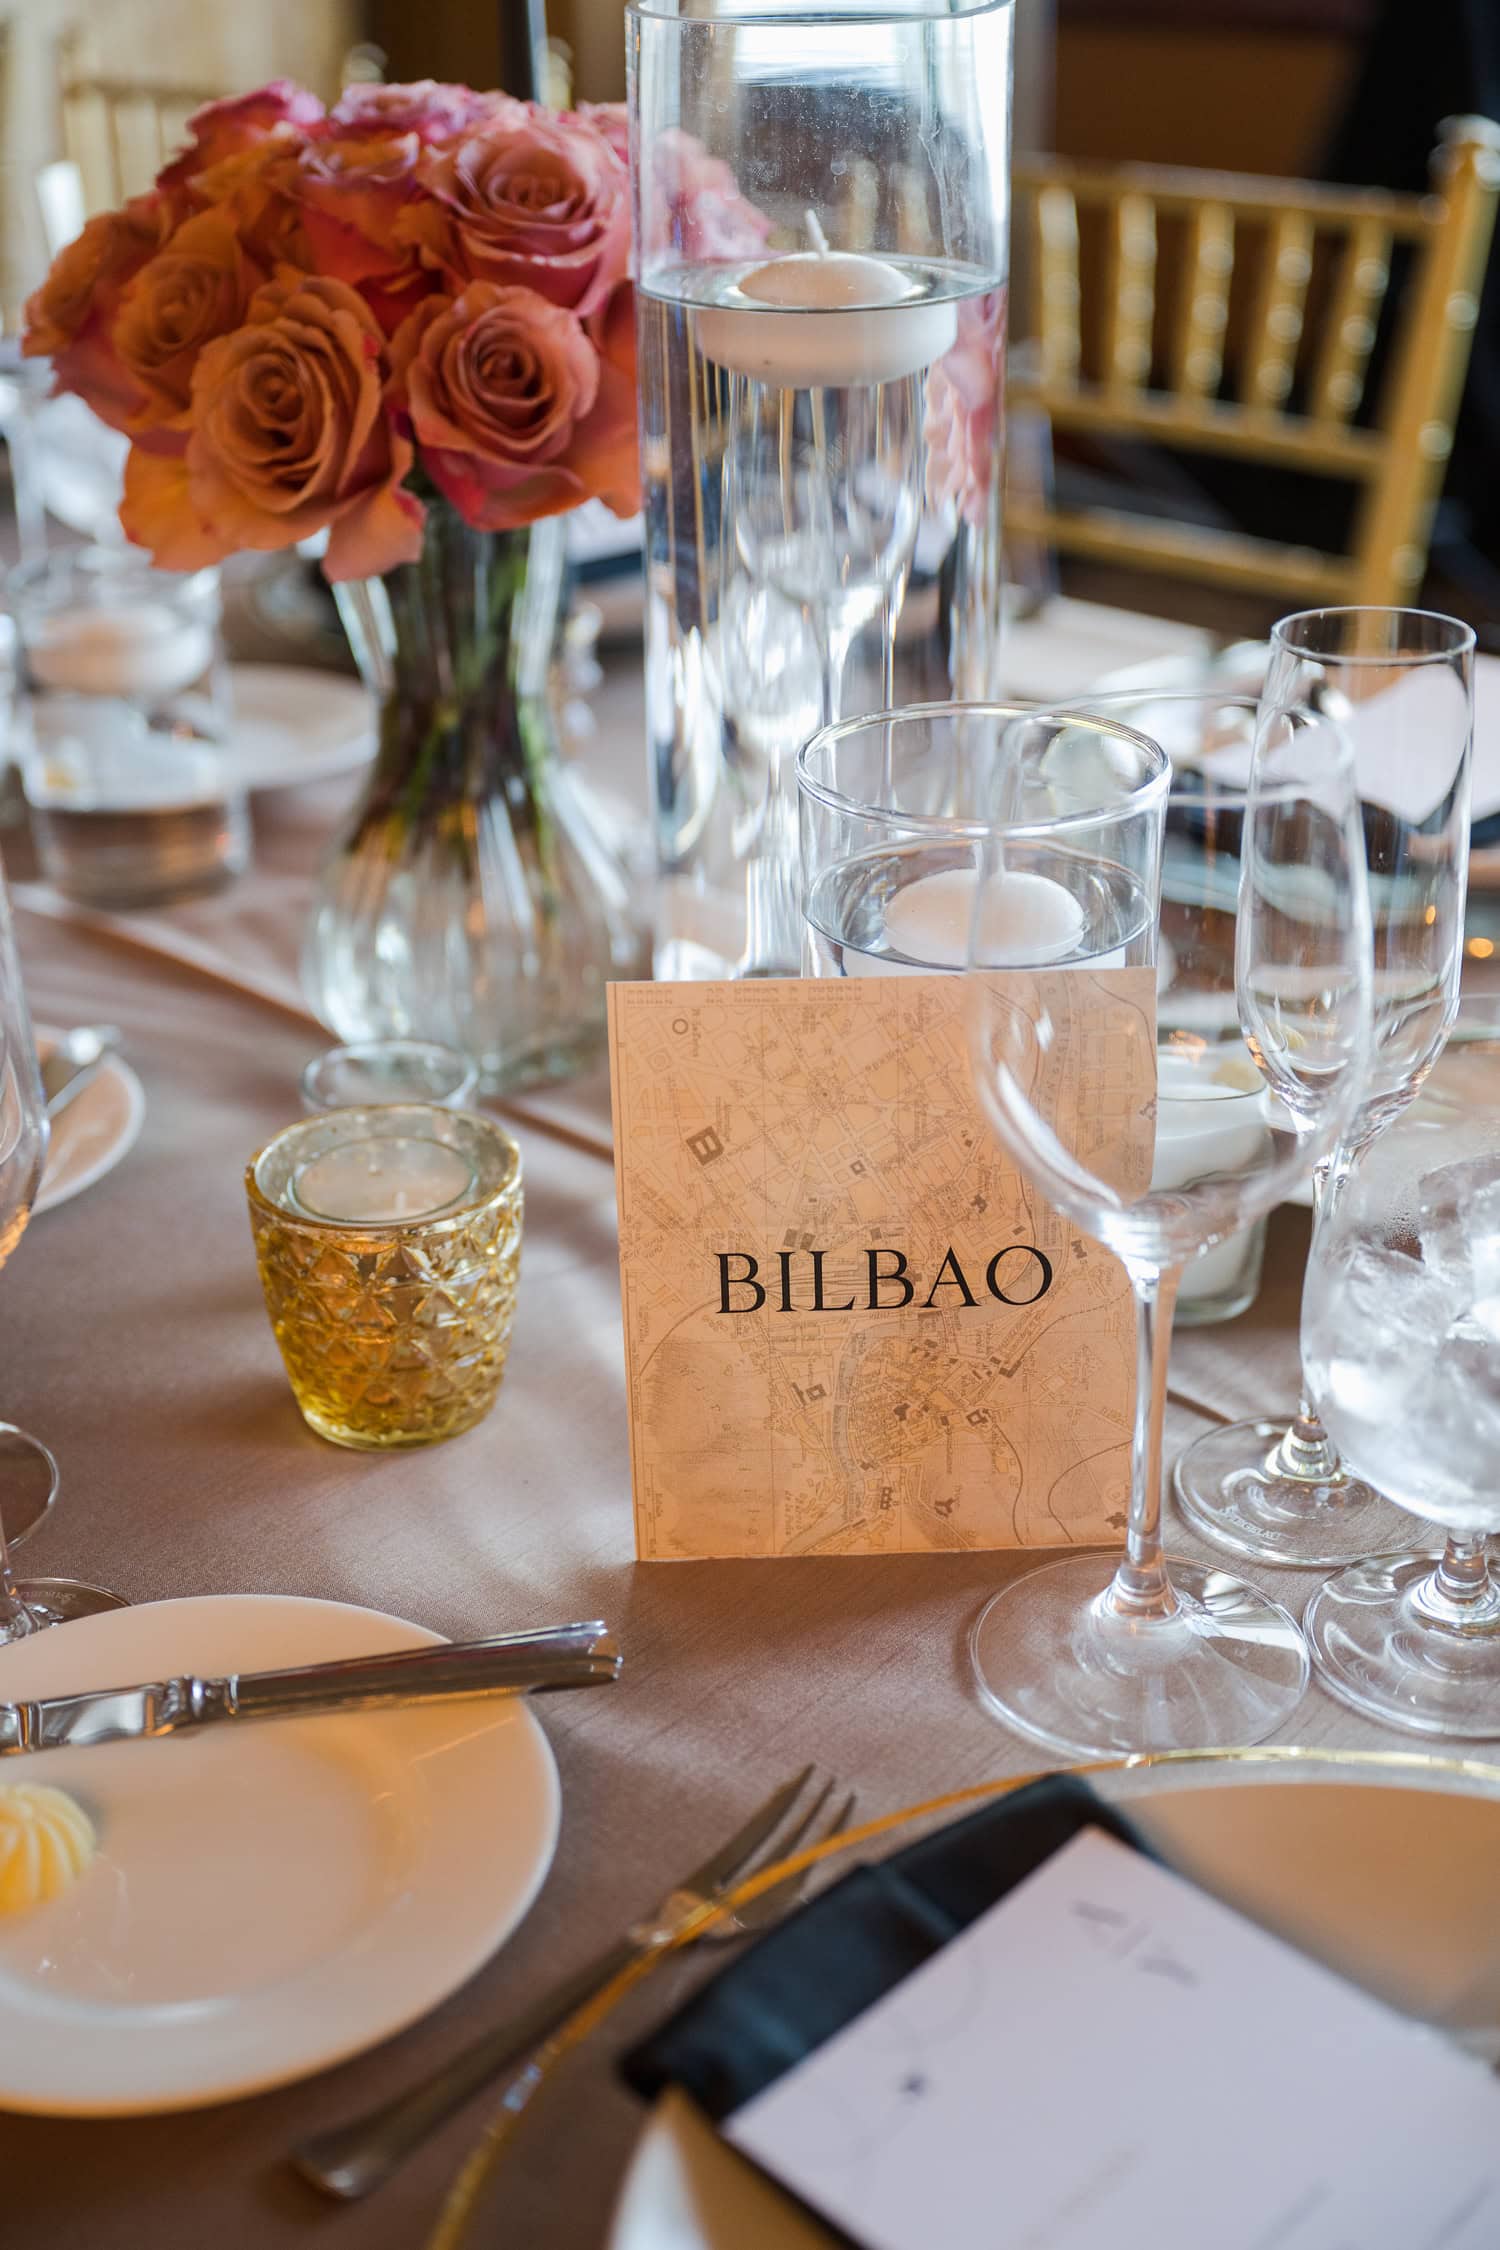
(120,131)
(1238,317)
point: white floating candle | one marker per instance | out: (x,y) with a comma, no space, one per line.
(381,1181)
(1210,1117)
(1027,921)
(141,649)
(826,319)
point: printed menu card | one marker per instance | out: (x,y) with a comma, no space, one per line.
(851,1327)
(1110,2060)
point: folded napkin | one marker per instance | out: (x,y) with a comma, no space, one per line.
(812,1974)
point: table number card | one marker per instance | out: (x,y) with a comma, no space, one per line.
(850,1326)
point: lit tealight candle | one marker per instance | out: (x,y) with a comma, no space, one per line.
(1027,921)
(140,649)
(826,319)
(374,1182)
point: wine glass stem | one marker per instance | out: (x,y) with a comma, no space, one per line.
(16,1620)
(1307,1451)
(1460,1591)
(1141,1587)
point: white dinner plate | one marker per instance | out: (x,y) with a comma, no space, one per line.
(98,1127)
(268,1897)
(294,724)
(1392,1884)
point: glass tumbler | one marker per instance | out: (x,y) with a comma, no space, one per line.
(389,1247)
(822,215)
(122,715)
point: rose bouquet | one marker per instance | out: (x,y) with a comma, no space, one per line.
(317,320)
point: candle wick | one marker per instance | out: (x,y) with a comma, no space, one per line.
(816,235)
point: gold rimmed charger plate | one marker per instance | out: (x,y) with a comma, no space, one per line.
(1386,1865)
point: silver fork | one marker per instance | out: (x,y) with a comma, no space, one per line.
(354,2159)
(779,1900)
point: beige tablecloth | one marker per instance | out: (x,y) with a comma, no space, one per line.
(132,1336)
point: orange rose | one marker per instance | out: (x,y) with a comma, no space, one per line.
(69,318)
(517,413)
(289,437)
(256,188)
(349,191)
(195,289)
(280,111)
(542,204)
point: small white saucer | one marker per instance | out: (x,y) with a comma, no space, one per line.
(97,1128)
(268,1897)
(294,724)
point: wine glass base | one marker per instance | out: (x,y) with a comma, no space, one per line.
(1055,1661)
(28,1483)
(58,1601)
(1231,1494)
(1375,1650)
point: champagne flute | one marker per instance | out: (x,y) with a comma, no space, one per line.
(1260,959)
(27,1468)
(1402,683)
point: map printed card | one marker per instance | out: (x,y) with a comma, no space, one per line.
(850,1326)
(1111,2060)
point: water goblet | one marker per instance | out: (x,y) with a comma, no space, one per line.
(1401,1346)
(28,1472)
(1401,682)
(1260,946)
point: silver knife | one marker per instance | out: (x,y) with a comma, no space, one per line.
(566,1656)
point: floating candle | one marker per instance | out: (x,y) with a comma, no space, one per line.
(46,1842)
(826,319)
(1210,1117)
(1028,920)
(138,649)
(371,1182)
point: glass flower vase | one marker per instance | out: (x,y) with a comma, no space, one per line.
(475,896)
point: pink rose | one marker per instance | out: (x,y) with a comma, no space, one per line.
(242,121)
(541,204)
(349,191)
(289,437)
(433,111)
(611,121)
(516,412)
(963,410)
(69,318)
(693,204)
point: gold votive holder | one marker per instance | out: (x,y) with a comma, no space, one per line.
(389,1247)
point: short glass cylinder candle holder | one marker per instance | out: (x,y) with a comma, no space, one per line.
(122,717)
(389,1247)
(389,1070)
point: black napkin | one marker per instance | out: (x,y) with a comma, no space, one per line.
(814,1973)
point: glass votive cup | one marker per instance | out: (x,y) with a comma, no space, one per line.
(389,1247)
(388,1070)
(122,712)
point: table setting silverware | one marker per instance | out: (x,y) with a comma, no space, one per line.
(538,1663)
(73,1061)
(352,2160)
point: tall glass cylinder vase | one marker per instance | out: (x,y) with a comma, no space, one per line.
(822,205)
(474,897)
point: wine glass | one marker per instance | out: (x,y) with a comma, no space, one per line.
(1401,1347)
(28,1472)
(1255,960)
(1402,682)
